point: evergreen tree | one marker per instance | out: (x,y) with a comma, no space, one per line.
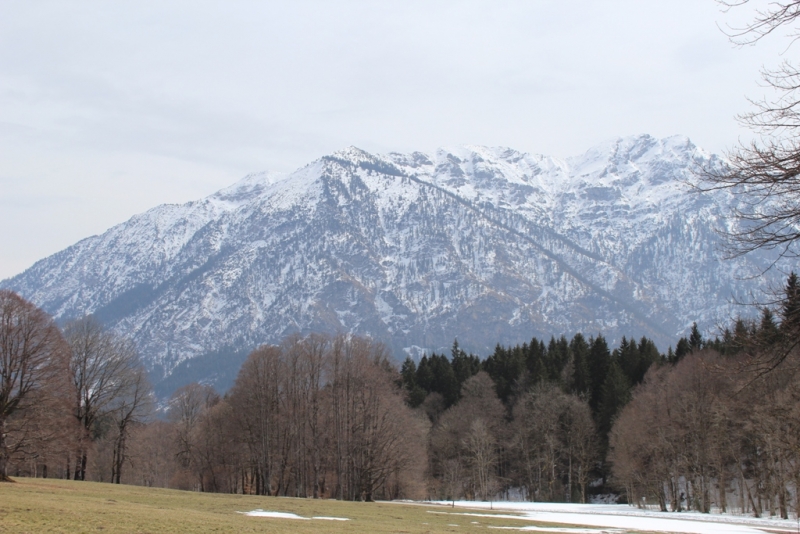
(444,379)
(648,356)
(741,336)
(535,358)
(599,363)
(505,367)
(790,308)
(424,374)
(408,373)
(768,332)
(464,365)
(615,394)
(456,351)
(557,358)
(628,359)
(581,377)
(682,349)
(695,338)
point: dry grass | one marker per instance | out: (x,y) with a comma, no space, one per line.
(47,505)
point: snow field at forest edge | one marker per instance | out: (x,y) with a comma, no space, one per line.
(621,517)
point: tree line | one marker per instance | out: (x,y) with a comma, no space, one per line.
(712,423)
(63,391)
(316,416)
(721,427)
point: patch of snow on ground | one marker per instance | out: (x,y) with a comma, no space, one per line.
(288,515)
(277,515)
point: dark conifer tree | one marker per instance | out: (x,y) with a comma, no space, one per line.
(741,336)
(615,393)
(424,374)
(464,365)
(599,363)
(681,349)
(537,369)
(505,367)
(695,338)
(648,355)
(727,341)
(535,358)
(557,357)
(790,308)
(627,356)
(408,373)
(444,379)
(768,331)
(581,377)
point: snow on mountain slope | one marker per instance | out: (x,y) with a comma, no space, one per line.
(484,244)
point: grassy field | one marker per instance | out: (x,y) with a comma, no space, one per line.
(47,505)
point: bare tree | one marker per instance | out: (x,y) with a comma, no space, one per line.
(152,448)
(188,407)
(315,351)
(33,361)
(765,174)
(317,409)
(215,451)
(374,433)
(580,441)
(256,398)
(133,406)
(103,367)
(480,446)
(466,440)
(766,21)
(555,444)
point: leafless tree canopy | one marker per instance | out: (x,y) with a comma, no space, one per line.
(32,367)
(108,382)
(694,437)
(557,443)
(765,174)
(323,416)
(766,20)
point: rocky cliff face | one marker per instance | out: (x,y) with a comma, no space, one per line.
(485,245)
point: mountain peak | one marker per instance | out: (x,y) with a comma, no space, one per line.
(353,154)
(486,244)
(250,185)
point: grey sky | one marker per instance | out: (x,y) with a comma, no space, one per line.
(110,108)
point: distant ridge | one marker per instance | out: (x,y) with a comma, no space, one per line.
(484,244)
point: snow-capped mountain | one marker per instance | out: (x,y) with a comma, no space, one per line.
(482,244)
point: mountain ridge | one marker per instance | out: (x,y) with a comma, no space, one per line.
(484,244)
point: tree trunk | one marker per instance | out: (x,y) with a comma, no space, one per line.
(4,455)
(119,457)
(756,509)
(80,465)
(569,479)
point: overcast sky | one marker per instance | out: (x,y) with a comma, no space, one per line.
(110,108)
